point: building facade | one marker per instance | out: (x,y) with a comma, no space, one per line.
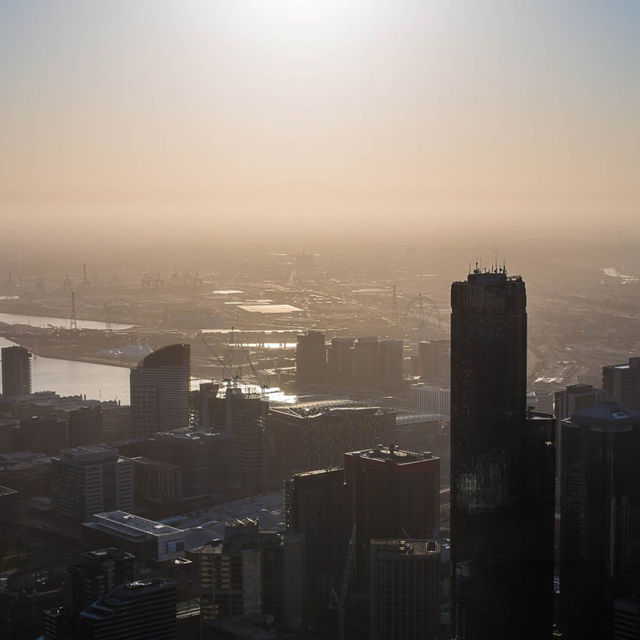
(160,390)
(16,372)
(600,503)
(404,590)
(502,468)
(88,480)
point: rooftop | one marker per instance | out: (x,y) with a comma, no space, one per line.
(130,525)
(607,416)
(414,547)
(391,453)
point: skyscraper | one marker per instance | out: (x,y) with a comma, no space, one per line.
(393,493)
(16,372)
(160,390)
(600,532)
(502,468)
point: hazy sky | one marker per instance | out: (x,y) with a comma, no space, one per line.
(433,112)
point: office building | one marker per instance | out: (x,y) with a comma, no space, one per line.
(625,619)
(116,422)
(366,367)
(621,382)
(205,458)
(404,589)
(340,361)
(84,425)
(140,610)
(88,480)
(566,402)
(27,472)
(47,433)
(431,399)
(24,597)
(145,539)
(394,493)
(502,468)
(244,416)
(251,573)
(435,362)
(311,358)
(318,505)
(600,538)
(160,390)
(315,436)
(96,573)
(390,363)
(16,372)
(156,482)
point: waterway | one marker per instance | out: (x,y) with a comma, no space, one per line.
(59,323)
(70,378)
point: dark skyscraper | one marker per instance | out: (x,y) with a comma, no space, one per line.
(600,533)
(160,390)
(502,467)
(16,372)
(394,493)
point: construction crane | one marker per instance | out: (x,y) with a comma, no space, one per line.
(338,601)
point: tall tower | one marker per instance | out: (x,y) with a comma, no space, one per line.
(600,536)
(160,390)
(16,372)
(502,466)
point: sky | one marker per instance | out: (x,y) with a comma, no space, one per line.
(273,114)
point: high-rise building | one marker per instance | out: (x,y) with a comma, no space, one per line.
(244,416)
(394,493)
(252,572)
(140,610)
(566,402)
(315,436)
(96,573)
(47,433)
(160,390)
(390,363)
(435,359)
(502,468)
(88,480)
(340,361)
(404,589)
(311,357)
(24,597)
(365,371)
(600,532)
(16,372)
(318,505)
(621,382)
(205,458)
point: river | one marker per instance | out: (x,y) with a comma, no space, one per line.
(70,378)
(59,323)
